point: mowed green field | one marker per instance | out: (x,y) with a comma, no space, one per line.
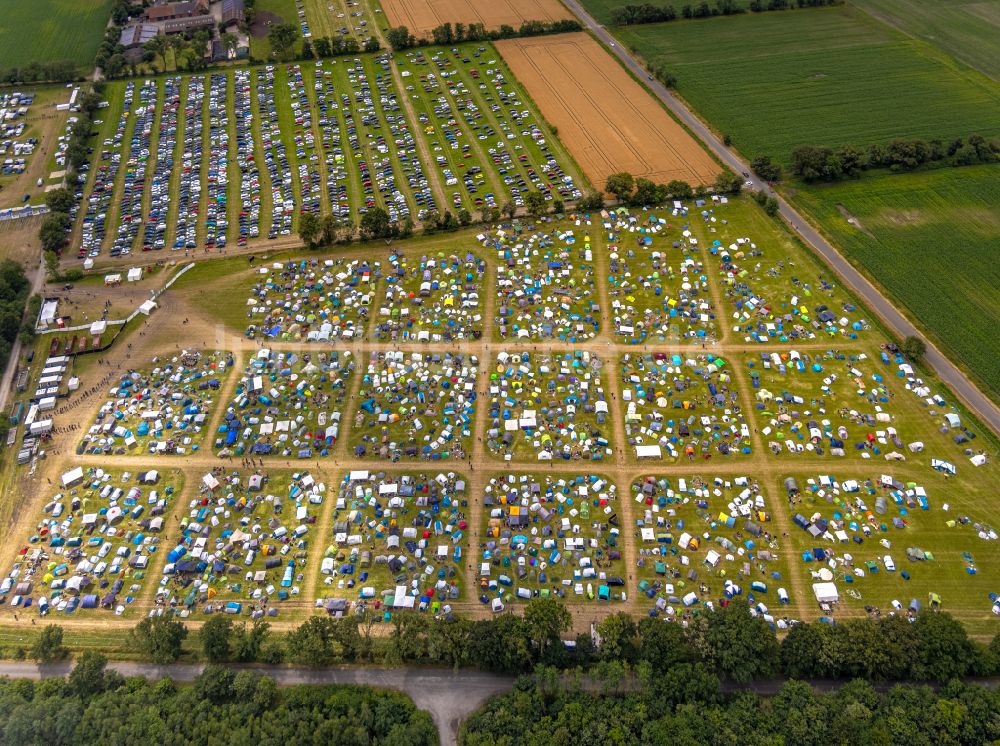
(829,76)
(931,239)
(51,30)
(966,29)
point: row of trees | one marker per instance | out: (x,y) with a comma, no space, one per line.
(628,15)
(57,71)
(318,231)
(14,289)
(400,37)
(686,706)
(61,202)
(640,192)
(814,163)
(96,706)
(729,642)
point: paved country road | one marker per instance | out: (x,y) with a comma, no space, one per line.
(945,369)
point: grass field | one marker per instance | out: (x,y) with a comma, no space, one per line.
(946,223)
(51,30)
(967,29)
(831,76)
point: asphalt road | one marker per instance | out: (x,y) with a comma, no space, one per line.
(945,369)
(449,696)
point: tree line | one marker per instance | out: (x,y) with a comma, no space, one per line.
(400,37)
(639,192)
(687,706)
(629,15)
(816,163)
(56,71)
(96,706)
(729,643)
(62,202)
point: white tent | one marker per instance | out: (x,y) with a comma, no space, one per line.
(826,593)
(147,307)
(647,452)
(72,476)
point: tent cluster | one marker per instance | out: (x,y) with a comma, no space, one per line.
(772,303)
(545,284)
(550,535)
(94,543)
(162,410)
(433,300)
(833,403)
(551,405)
(681,406)
(287,403)
(856,513)
(951,423)
(416,405)
(702,540)
(657,292)
(242,542)
(397,541)
(312,301)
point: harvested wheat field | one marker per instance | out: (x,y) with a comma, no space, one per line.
(605,118)
(420,16)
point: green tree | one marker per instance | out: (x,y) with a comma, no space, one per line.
(591,200)
(766,168)
(159,638)
(509,209)
(944,650)
(249,642)
(620,184)
(728,183)
(60,200)
(399,38)
(546,618)
(48,646)
(557,207)
(376,224)
(312,642)
(464,218)
(448,641)
(52,232)
(310,228)
(158,46)
(535,202)
(800,651)
(740,646)
(679,189)
(663,644)
(216,638)
(619,637)
(282,37)
(88,677)
(913,348)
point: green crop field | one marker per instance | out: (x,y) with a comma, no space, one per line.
(51,30)
(967,29)
(929,239)
(829,76)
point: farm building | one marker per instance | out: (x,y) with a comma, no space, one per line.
(174,11)
(137,35)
